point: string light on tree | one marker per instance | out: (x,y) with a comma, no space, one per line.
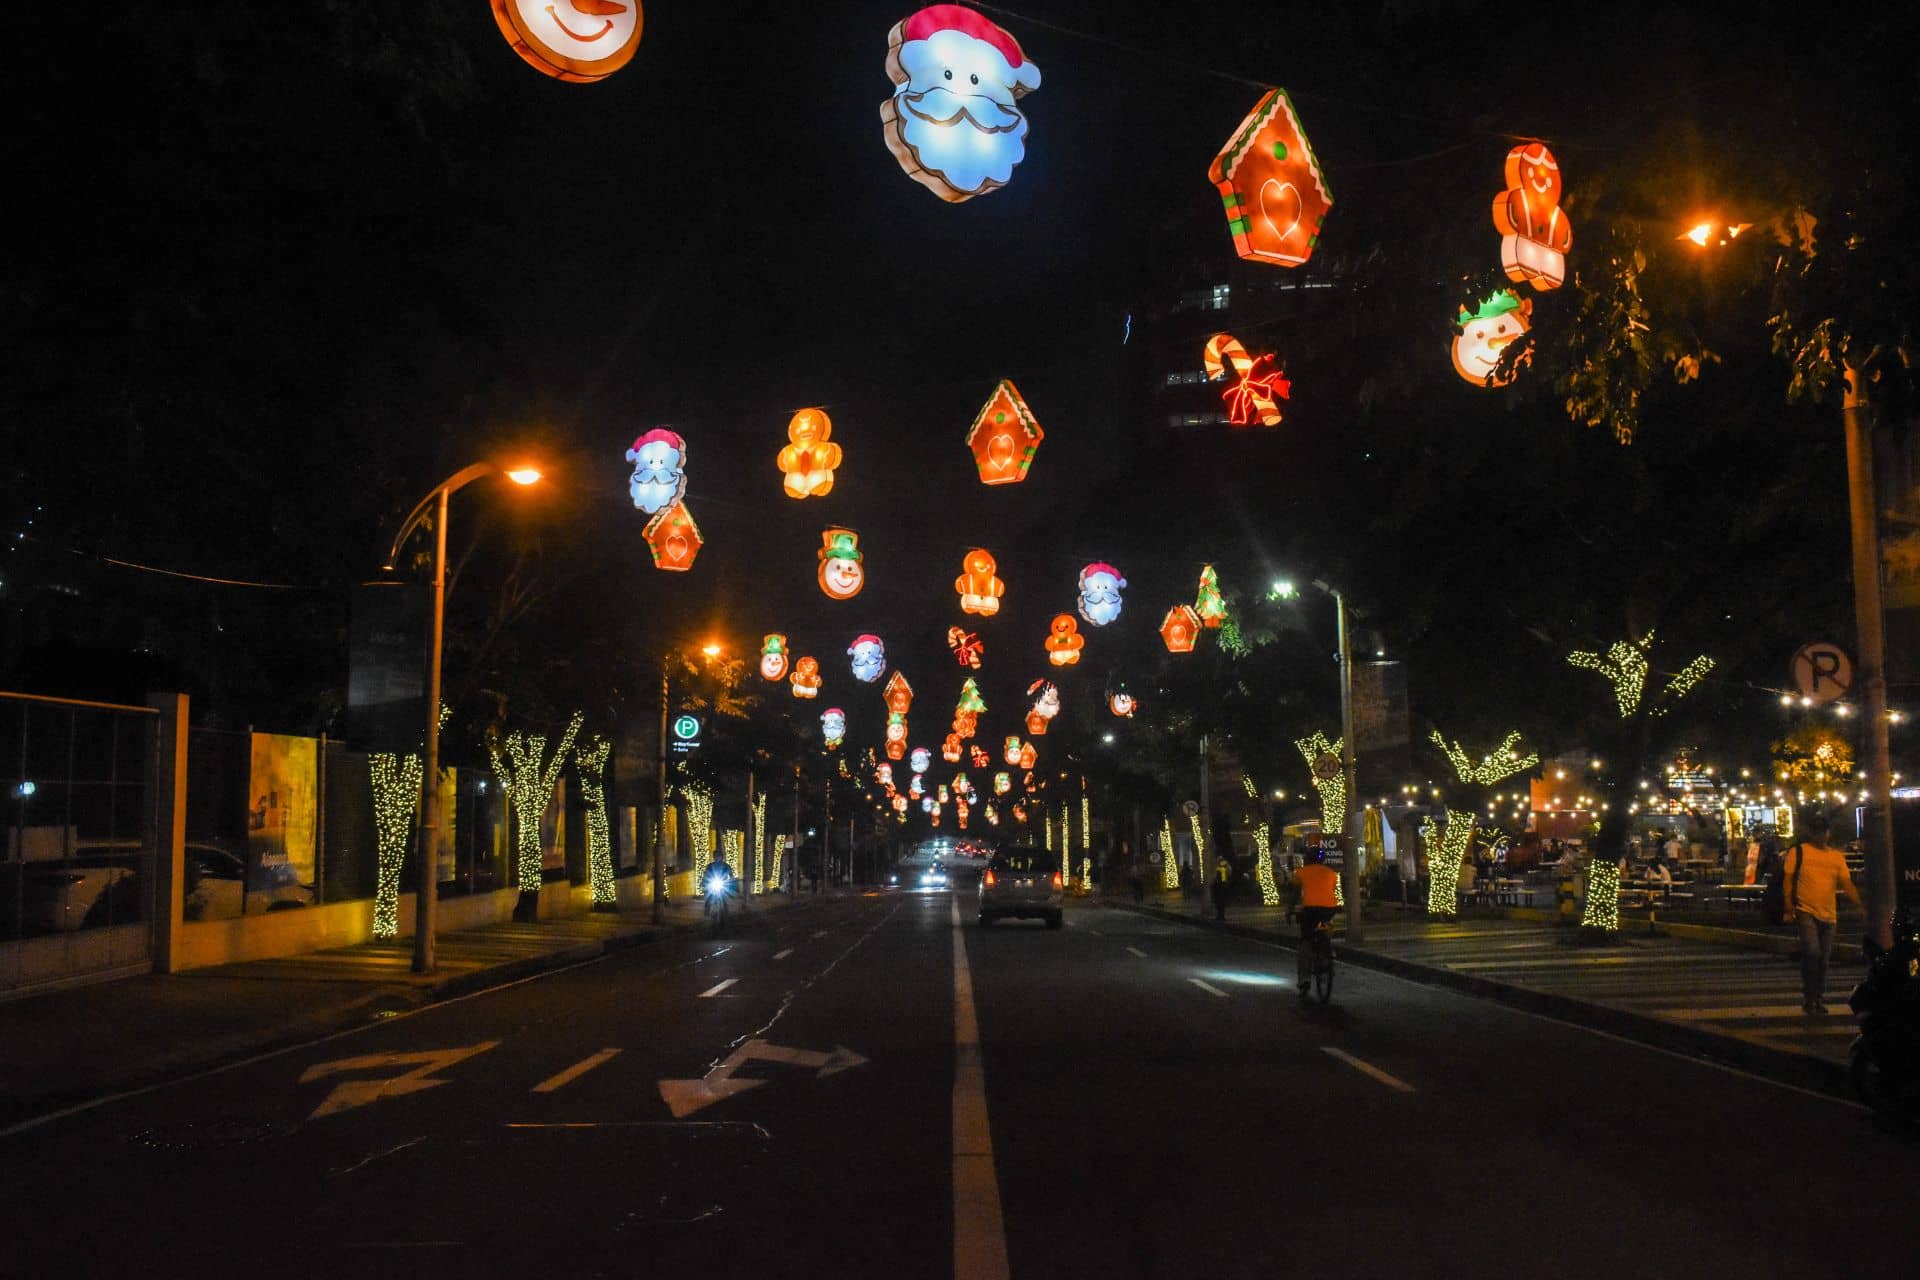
(590,762)
(1330,782)
(1491,769)
(529,786)
(396,797)
(699,801)
(1169,865)
(1625,667)
(762,875)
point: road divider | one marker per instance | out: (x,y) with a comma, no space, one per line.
(1208,988)
(1368,1069)
(716,988)
(562,1079)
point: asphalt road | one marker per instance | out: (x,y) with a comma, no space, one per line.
(1158,1102)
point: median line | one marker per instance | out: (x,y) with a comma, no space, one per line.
(1208,987)
(1137,951)
(574,1072)
(979,1228)
(716,989)
(1367,1068)
(782,955)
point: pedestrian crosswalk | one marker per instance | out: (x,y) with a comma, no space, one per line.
(1752,995)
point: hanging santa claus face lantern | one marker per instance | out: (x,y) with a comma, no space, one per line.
(953,122)
(921,760)
(1100,586)
(576,40)
(659,476)
(868,657)
(833,726)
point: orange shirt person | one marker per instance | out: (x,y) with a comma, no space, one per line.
(1816,874)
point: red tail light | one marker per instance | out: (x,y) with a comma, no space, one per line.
(1057,882)
(986,881)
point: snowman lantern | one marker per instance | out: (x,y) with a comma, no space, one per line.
(773,657)
(1012,753)
(578,41)
(896,732)
(809,459)
(841,572)
(1100,587)
(954,121)
(869,658)
(1490,343)
(1534,234)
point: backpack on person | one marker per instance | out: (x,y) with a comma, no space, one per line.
(1774,903)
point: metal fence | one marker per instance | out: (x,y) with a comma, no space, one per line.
(77,877)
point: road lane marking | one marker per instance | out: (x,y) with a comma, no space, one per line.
(979,1231)
(574,1072)
(684,1097)
(1206,986)
(782,955)
(358,1093)
(1137,951)
(1367,1068)
(820,933)
(716,988)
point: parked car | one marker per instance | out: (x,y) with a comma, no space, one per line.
(216,880)
(1021,881)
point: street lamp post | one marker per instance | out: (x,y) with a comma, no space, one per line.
(429,848)
(1349,846)
(660,828)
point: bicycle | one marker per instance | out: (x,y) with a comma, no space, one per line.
(1316,962)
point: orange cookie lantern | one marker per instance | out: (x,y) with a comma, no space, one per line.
(673,538)
(1534,234)
(842,574)
(965,724)
(809,460)
(979,590)
(899,694)
(1256,388)
(1180,628)
(575,40)
(1004,437)
(950,749)
(1064,641)
(1275,194)
(806,678)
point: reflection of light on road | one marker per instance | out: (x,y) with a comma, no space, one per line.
(1245,977)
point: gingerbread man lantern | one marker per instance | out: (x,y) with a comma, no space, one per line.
(979,590)
(1064,641)
(806,678)
(809,460)
(1534,234)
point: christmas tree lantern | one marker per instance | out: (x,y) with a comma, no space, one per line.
(1002,783)
(899,695)
(1004,438)
(1180,628)
(950,749)
(922,759)
(966,646)
(806,678)
(1275,195)
(1534,234)
(1210,605)
(842,574)
(979,590)
(809,458)
(1255,385)
(867,657)
(579,42)
(673,538)
(970,699)
(833,726)
(773,657)
(1064,641)
(659,476)
(954,121)
(1100,586)
(1490,342)
(1012,753)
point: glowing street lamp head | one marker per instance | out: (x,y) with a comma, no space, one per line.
(711,649)
(524,475)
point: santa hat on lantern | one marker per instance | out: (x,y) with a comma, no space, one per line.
(860,640)
(657,435)
(1101,566)
(936,18)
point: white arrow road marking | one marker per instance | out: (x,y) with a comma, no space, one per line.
(684,1097)
(716,989)
(1205,986)
(782,955)
(358,1093)
(574,1072)
(1137,951)
(1367,1068)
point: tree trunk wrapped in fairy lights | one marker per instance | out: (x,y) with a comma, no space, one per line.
(590,762)
(528,777)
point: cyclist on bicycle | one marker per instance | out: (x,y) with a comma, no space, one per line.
(717,882)
(1317,902)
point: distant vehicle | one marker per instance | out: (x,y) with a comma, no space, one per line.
(933,878)
(1022,882)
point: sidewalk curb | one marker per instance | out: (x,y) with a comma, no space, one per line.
(1782,1065)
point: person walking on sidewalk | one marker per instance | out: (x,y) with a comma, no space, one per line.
(1222,880)
(1816,873)
(1136,874)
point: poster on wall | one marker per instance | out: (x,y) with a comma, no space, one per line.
(449,823)
(282,784)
